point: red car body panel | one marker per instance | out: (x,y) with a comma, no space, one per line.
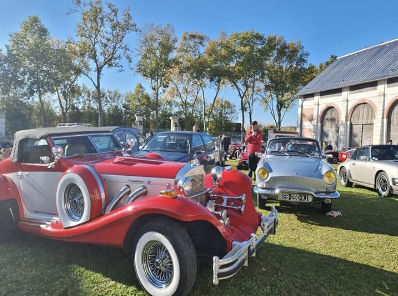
(344,155)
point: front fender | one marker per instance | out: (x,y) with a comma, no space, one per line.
(111,229)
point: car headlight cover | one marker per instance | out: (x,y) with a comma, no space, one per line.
(329,177)
(262,174)
(216,175)
(185,186)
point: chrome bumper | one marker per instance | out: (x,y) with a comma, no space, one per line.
(274,193)
(238,257)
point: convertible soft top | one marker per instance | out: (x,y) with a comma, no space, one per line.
(43,133)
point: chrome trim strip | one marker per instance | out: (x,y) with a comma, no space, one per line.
(101,188)
(125,190)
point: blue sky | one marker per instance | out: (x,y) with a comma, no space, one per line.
(324,27)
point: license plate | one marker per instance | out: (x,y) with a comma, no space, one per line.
(296,197)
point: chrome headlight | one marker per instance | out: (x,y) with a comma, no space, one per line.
(262,173)
(216,175)
(184,186)
(329,177)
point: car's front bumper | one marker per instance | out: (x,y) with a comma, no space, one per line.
(238,257)
(275,193)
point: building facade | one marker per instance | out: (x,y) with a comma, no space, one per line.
(354,101)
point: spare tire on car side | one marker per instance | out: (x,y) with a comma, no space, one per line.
(81,196)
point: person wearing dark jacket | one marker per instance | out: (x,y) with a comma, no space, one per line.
(253,139)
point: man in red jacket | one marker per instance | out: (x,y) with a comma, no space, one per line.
(253,139)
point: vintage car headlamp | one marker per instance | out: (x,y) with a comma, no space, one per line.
(184,186)
(216,175)
(329,177)
(262,173)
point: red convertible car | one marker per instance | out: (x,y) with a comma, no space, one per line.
(79,185)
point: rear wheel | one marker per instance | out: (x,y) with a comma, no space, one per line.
(383,184)
(344,181)
(334,159)
(236,154)
(164,258)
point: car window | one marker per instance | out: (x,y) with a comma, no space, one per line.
(209,143)
(121,137)
(363,152)
(197,143)
(104,143)
(34,151)
(132,141)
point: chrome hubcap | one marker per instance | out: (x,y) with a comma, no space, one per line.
(157,264)
(74,202)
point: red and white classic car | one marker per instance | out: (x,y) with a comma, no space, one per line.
(77,185)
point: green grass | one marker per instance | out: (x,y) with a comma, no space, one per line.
(311,254)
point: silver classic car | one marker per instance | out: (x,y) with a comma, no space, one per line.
(374,166)
(293,170)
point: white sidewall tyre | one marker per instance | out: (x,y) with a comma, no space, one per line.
(66,180)
(138,265)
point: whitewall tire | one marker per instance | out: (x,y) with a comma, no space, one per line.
(164,258)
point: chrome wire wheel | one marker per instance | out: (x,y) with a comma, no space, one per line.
(157,264)
(74,202)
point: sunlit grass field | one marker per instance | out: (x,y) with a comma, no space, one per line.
(311,254)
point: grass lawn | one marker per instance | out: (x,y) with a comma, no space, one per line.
(311,254)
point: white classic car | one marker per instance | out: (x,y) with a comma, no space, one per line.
(293,170)
(374,166)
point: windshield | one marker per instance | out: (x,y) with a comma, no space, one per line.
(293,146)
(168,142)
(76,145)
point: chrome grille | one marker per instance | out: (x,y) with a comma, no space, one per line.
(197,174)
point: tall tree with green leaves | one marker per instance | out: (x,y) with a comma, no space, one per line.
(101,43)
(66,75)
(248,51)
(285,73)
(188,76)
(30,56)
(139,102)
(223,115)
(156,45)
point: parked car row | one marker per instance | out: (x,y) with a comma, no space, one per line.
(79,185)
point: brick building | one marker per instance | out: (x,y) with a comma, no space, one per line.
(354,101)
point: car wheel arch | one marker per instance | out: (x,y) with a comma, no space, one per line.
(191,227)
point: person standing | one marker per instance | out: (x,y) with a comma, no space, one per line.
(253,139)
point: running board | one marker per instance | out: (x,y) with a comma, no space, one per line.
(37,223)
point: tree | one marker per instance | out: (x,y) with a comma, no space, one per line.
(313,71)
(224,113)
(284,75)
(140,102)
(30,57)
(66,74)
(248,52)
(101,45)
(155,48)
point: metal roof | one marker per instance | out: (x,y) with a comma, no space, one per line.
(367,65)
